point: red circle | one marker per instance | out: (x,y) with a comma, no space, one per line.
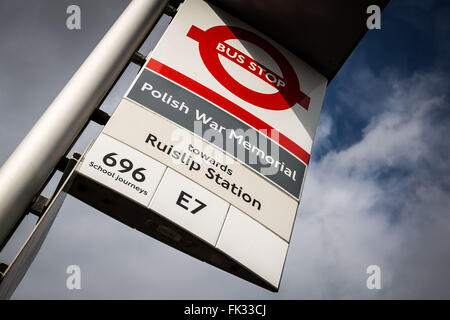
(210,57)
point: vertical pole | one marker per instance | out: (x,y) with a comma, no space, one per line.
(29,166)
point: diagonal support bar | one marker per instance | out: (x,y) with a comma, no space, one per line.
(29,166)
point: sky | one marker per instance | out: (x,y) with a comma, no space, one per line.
(377,191)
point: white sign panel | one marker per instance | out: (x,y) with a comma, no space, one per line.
(204,164)
(221,121)
(253,245)
(190,206)
(123,169)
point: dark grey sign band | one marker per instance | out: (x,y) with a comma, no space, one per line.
(181,106)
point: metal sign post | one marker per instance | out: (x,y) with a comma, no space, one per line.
(27,169)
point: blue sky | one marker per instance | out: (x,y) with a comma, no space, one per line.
(413,39)
(377,190)
(381,159)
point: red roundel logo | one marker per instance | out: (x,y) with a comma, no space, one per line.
(212,44)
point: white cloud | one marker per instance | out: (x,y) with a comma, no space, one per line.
(321,139)
(374,203)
